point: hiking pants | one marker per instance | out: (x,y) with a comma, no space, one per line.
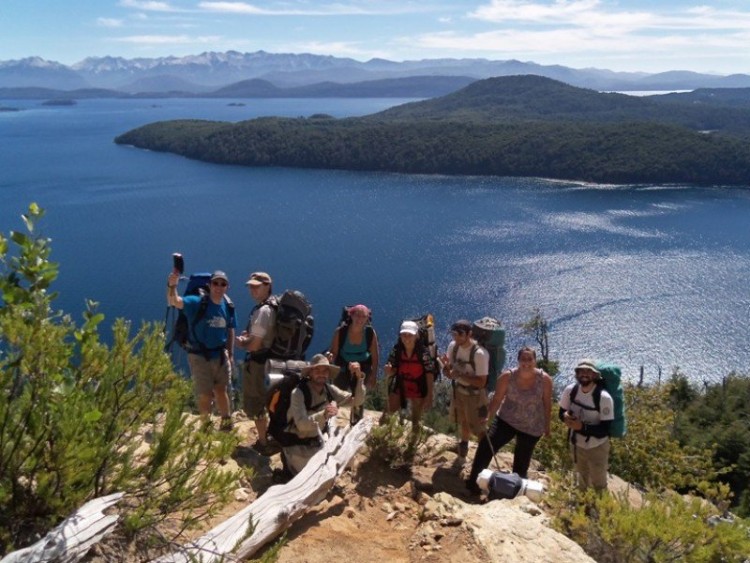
(591,465)
(500,434)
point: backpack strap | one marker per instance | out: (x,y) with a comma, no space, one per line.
(472,353)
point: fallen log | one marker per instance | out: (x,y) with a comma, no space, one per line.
(73,537)
(280,506)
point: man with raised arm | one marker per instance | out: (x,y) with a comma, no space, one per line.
(211,323)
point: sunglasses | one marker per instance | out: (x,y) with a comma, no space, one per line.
(219,283)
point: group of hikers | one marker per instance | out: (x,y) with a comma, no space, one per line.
(518,406)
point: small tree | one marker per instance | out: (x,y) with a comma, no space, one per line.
(538,327)
(80,419)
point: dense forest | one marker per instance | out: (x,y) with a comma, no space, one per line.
(509,126)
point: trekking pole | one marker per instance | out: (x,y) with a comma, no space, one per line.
(489,443)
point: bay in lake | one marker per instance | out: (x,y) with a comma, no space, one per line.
(657,276)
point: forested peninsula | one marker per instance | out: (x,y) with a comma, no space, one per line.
(507,126)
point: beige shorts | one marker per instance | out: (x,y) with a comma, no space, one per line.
(208,374)
(254,389)
(470,410)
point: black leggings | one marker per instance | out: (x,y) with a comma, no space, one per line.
(500,434)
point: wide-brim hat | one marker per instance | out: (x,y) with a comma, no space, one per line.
(321,360)
(587,364)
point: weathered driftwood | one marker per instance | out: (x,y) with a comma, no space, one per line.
(70,540)
(280,506)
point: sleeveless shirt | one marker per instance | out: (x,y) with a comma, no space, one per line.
(523,409)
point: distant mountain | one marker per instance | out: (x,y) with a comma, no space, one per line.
(37,93)
(409,87)
(34,71)
(212,70)
(163,84)
(527,98)
(506,126)
(733,97)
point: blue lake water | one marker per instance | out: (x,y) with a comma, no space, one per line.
(657,276)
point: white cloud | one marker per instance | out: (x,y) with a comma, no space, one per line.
(308,9)
(498,11)
(108,22)
(335,48)
(148,5)
(149,40)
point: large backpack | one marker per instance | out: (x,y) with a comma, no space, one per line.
(279,398)
(611,381)
(490,334)
(426,337)
(198,284)
(343,326)
(293,328)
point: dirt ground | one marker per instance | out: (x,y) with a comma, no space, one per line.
(373,514)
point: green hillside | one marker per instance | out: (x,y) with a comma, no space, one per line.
(510,126)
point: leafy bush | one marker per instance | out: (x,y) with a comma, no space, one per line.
(667,527)
(718,419)
(396,442)
(80,419)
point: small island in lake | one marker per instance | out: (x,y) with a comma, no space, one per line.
(507,126)
(60,102)
(236,104)
(8,109)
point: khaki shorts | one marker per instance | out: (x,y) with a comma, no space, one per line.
(254,389)
(207,374)
(470,410)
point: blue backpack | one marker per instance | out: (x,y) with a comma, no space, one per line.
(198,284)
(611,381)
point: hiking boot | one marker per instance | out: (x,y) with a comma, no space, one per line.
(265,449)
(281,476)
(472,487)
(463,448)
(226,424)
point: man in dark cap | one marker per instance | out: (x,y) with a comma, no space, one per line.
(211,324)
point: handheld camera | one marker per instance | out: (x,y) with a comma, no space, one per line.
(178,263)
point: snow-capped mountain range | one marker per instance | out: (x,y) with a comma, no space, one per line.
(210,70)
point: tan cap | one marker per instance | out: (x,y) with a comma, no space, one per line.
(258,278)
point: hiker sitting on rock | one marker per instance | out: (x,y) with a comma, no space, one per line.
(410,371)
(466,364)
(314,402)
(589,425)
(524,397)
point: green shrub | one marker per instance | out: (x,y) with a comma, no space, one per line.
(397,442)
(718,419)
(80,419)
(668,527)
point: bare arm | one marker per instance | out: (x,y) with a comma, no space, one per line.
(375,357)
(501,388)
(547,401)
(173,300)
(333,349)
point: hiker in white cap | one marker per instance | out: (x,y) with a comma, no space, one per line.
(410,371)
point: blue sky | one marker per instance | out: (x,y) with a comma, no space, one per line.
(628,35)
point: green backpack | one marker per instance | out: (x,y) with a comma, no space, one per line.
(611,381)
